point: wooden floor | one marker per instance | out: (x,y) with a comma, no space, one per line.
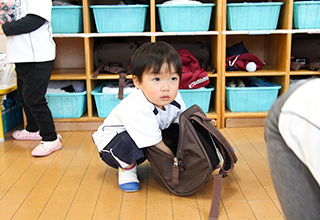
(74,183)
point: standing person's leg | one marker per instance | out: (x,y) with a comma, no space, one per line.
(32,130)
(297,190)
(31,123)
(34,80)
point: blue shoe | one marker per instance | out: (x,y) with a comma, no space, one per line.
(128,180)
(130,187)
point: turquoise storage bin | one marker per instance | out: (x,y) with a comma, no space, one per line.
(182,17)
(67,105)
(11,117)
(253,16)
(200,97)
(67,19)
(119,18)
(248,99)
(306,14)
(105,102)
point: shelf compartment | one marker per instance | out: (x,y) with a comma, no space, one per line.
(271,49)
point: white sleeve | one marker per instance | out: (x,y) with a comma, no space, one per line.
(41,8)
(303,138)
(143,128)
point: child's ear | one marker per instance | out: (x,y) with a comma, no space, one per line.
(136,81)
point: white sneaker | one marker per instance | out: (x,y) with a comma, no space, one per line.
(128,180)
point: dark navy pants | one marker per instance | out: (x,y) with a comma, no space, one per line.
(123,151)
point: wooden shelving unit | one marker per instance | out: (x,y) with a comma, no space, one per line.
(75,58)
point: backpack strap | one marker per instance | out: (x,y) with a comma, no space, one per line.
(216,196)
(201,118)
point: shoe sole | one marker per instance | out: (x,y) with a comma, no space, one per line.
(130,187)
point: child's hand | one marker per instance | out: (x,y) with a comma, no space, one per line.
(161,145)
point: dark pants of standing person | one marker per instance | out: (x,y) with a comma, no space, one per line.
(32,82)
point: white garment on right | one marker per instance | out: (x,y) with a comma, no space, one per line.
(299,125)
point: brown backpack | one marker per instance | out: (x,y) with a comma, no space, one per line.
(201,150)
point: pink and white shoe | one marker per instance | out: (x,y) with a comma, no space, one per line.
(47,147)
(26,135)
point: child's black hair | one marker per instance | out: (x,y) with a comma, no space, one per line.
(151,56)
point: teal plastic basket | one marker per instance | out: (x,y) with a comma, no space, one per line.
(191,17)
(306,14)
(119,18)
(253,16)
(105,102)
(67,105)
(67,19)
(248,99)
(200,97)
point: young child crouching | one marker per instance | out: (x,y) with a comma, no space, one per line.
(137,122)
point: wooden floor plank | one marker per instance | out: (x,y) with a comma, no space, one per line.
(239,210)
(248,167)
(265,209)
(255,155)
(12,151)
(185,207)
(13,199)
(134,204)
(7,145)
(60,200)
(257,141)
(12,174)
(84,202)
(39,195)
(159,203)
(108,204)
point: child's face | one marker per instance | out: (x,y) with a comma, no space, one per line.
(159,88)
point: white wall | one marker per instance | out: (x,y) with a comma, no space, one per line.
(2,43)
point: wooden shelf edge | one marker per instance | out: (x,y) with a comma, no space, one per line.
(303,72)
(229,114)
(245,122)
(255,73)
